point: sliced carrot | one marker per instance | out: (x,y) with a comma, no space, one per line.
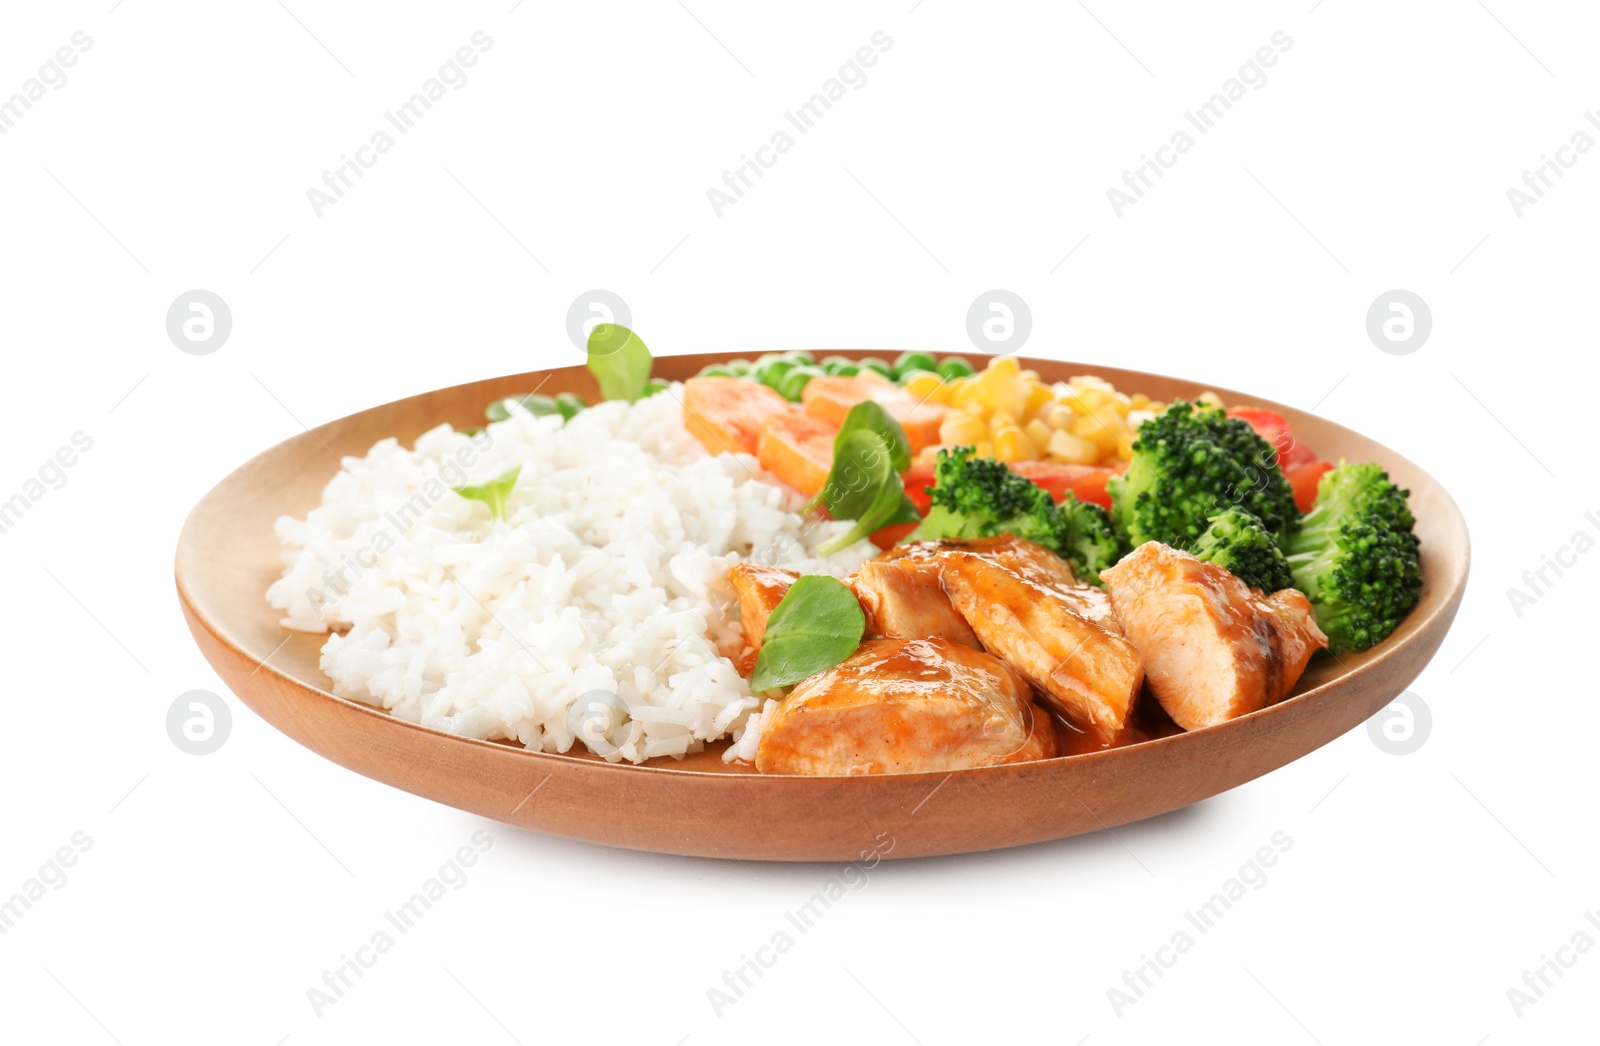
(1086,482)
(829,399)
(725,414)
(797,448)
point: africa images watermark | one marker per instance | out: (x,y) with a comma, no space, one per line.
(450,878)
(1536,181)
(1537,580)
(852,76)
(51,475)
(396,522)
(751,968)
(52,75)
(51,876)
(1252,876)
(1252,76)
(1545,976)
(452,76)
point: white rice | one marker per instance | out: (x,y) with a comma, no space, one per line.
(605,582)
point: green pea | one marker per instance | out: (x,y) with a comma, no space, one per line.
(802,356)
(954,367)
(739,367)
(847,369)
(910,361)
(653,386)
(796,380)
(874,363)
(831,364)
(772,372)
(717,370)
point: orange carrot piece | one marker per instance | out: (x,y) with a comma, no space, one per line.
(726,414)
(798,449)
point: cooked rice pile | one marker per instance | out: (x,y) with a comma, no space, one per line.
(605,582)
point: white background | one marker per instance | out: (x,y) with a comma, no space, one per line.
(1378,154)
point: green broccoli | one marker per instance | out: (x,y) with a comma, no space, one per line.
(1240,543)
(1191,462)
(981,497)
(1355,557)
(1089,541)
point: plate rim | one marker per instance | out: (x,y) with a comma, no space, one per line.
(1447,605)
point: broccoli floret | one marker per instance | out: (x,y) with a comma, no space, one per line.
(1240,543)
(1355,557)
(980,497)
(1090,542)
(1191,462)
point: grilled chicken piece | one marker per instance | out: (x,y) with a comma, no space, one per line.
(906,706)
(1080,667)
(760,588)
(904,600)
(1214,648)
(1034,562)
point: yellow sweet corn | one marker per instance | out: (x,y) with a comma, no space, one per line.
(1012,444)
(960,429)
(1073,450)
(927,386)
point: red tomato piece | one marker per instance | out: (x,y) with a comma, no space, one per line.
(1303,479)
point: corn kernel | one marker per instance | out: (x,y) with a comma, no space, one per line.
(966,398)
(1038,397)
(1012,444)
(1000,391)
(926,386)
(1209,398)
(1038,431)
(1028,375)
(1006,365)
(983,449)
(1064,446)
(1139,401)
(1059,416)
(962,429)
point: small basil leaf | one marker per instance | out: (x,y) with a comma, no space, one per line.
(494,492)
(873,418)
(818,624)
(861,463)
(863,486)
(619,361)
(533,403)
(568,404)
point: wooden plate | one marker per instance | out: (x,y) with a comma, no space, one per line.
(227,556)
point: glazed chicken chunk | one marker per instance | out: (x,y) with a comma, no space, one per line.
(904,599)
(1034,562)
(1080,667)
(1213,648)
(905,706)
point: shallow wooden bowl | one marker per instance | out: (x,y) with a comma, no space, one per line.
(227,556)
